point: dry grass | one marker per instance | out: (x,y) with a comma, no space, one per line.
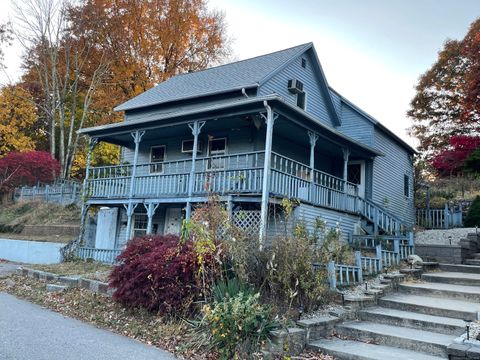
(39,213)
(87,269)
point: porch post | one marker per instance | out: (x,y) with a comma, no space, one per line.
(130,209)
(346,155)
(313,141)
(92,142)
(270,120)
(196,127)
(151,208)
(137,137)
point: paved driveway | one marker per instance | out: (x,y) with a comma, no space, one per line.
(29,332)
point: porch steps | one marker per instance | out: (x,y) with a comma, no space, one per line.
(431,306)
(475,262)
(467,268)
(419,321)
(356,350)
(443,291)
(405,338)
(457,278)
(413,320)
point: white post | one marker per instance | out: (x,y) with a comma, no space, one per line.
(313,141)
(346,155)
(151,208)
(130,210)
(137,137)
(270,120)
(196,127)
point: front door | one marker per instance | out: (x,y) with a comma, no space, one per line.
(173,220)
(356,175)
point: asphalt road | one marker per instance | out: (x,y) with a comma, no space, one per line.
(30,332)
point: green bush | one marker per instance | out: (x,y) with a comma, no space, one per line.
(238,325)
(473,216)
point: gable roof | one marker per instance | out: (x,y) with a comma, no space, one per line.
(247,73)
(374,121)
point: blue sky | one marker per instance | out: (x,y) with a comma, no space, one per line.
(372,51)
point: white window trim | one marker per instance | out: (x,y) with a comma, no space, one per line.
(199,147)
(134,220)
(209,153)
(153,162)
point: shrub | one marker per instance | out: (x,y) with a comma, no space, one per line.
(473,216)
(160,273)
(238,325)
(27,168)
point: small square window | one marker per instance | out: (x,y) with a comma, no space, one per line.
(406,185)
(304,63)
(157,156)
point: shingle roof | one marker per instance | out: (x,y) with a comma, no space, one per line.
(234,76)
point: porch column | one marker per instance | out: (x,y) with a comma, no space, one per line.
(270,120)
(151,208)
(92,142)
(130,209)
(196,127)
(137,137)
(313,141)
(346,155)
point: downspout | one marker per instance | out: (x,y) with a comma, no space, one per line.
(244,93)
(266,174)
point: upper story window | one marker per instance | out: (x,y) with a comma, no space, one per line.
(187,146)
(304,63)
(157,157)
(302,100)
(406,185)
(216,149)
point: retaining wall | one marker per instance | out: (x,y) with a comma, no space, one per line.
(31,252)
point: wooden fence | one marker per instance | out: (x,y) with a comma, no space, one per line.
(445,218)
(62,192)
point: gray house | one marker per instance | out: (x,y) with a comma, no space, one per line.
(253,132)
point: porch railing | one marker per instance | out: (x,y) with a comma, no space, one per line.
(108,256)
(237,173)
(445,218)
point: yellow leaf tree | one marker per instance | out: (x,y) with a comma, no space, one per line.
(18,116)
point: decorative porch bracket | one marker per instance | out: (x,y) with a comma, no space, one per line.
(137,138)
(151,208)
(269,120)
(313,137)
(130,208)
(196,128)
(346,156)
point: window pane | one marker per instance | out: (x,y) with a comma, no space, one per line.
(158,153)
(354,173)
(406,185)
(301,100)
(217,145)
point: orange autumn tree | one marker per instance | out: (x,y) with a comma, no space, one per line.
(18,116)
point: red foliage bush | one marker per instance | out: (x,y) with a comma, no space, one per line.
(27,168)
(159,274)
(452,160)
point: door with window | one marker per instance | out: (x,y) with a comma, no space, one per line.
(157,157)
(173,221)
(217,148)
(356,175)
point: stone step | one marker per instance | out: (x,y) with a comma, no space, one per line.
(356,350)
(443,291)
(413,320)
(432,306)
(458,278)
(476,256)
(460,268)
(401,337)
(473,262)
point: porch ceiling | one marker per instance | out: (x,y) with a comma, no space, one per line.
(175,123)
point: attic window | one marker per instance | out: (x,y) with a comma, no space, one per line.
(304,63)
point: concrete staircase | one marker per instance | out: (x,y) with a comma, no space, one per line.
(475,260)
(416,322)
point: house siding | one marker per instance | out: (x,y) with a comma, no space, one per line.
(356,125)
(308,214)
(388,178)
(315,104)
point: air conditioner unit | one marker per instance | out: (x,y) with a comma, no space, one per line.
(295,86)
